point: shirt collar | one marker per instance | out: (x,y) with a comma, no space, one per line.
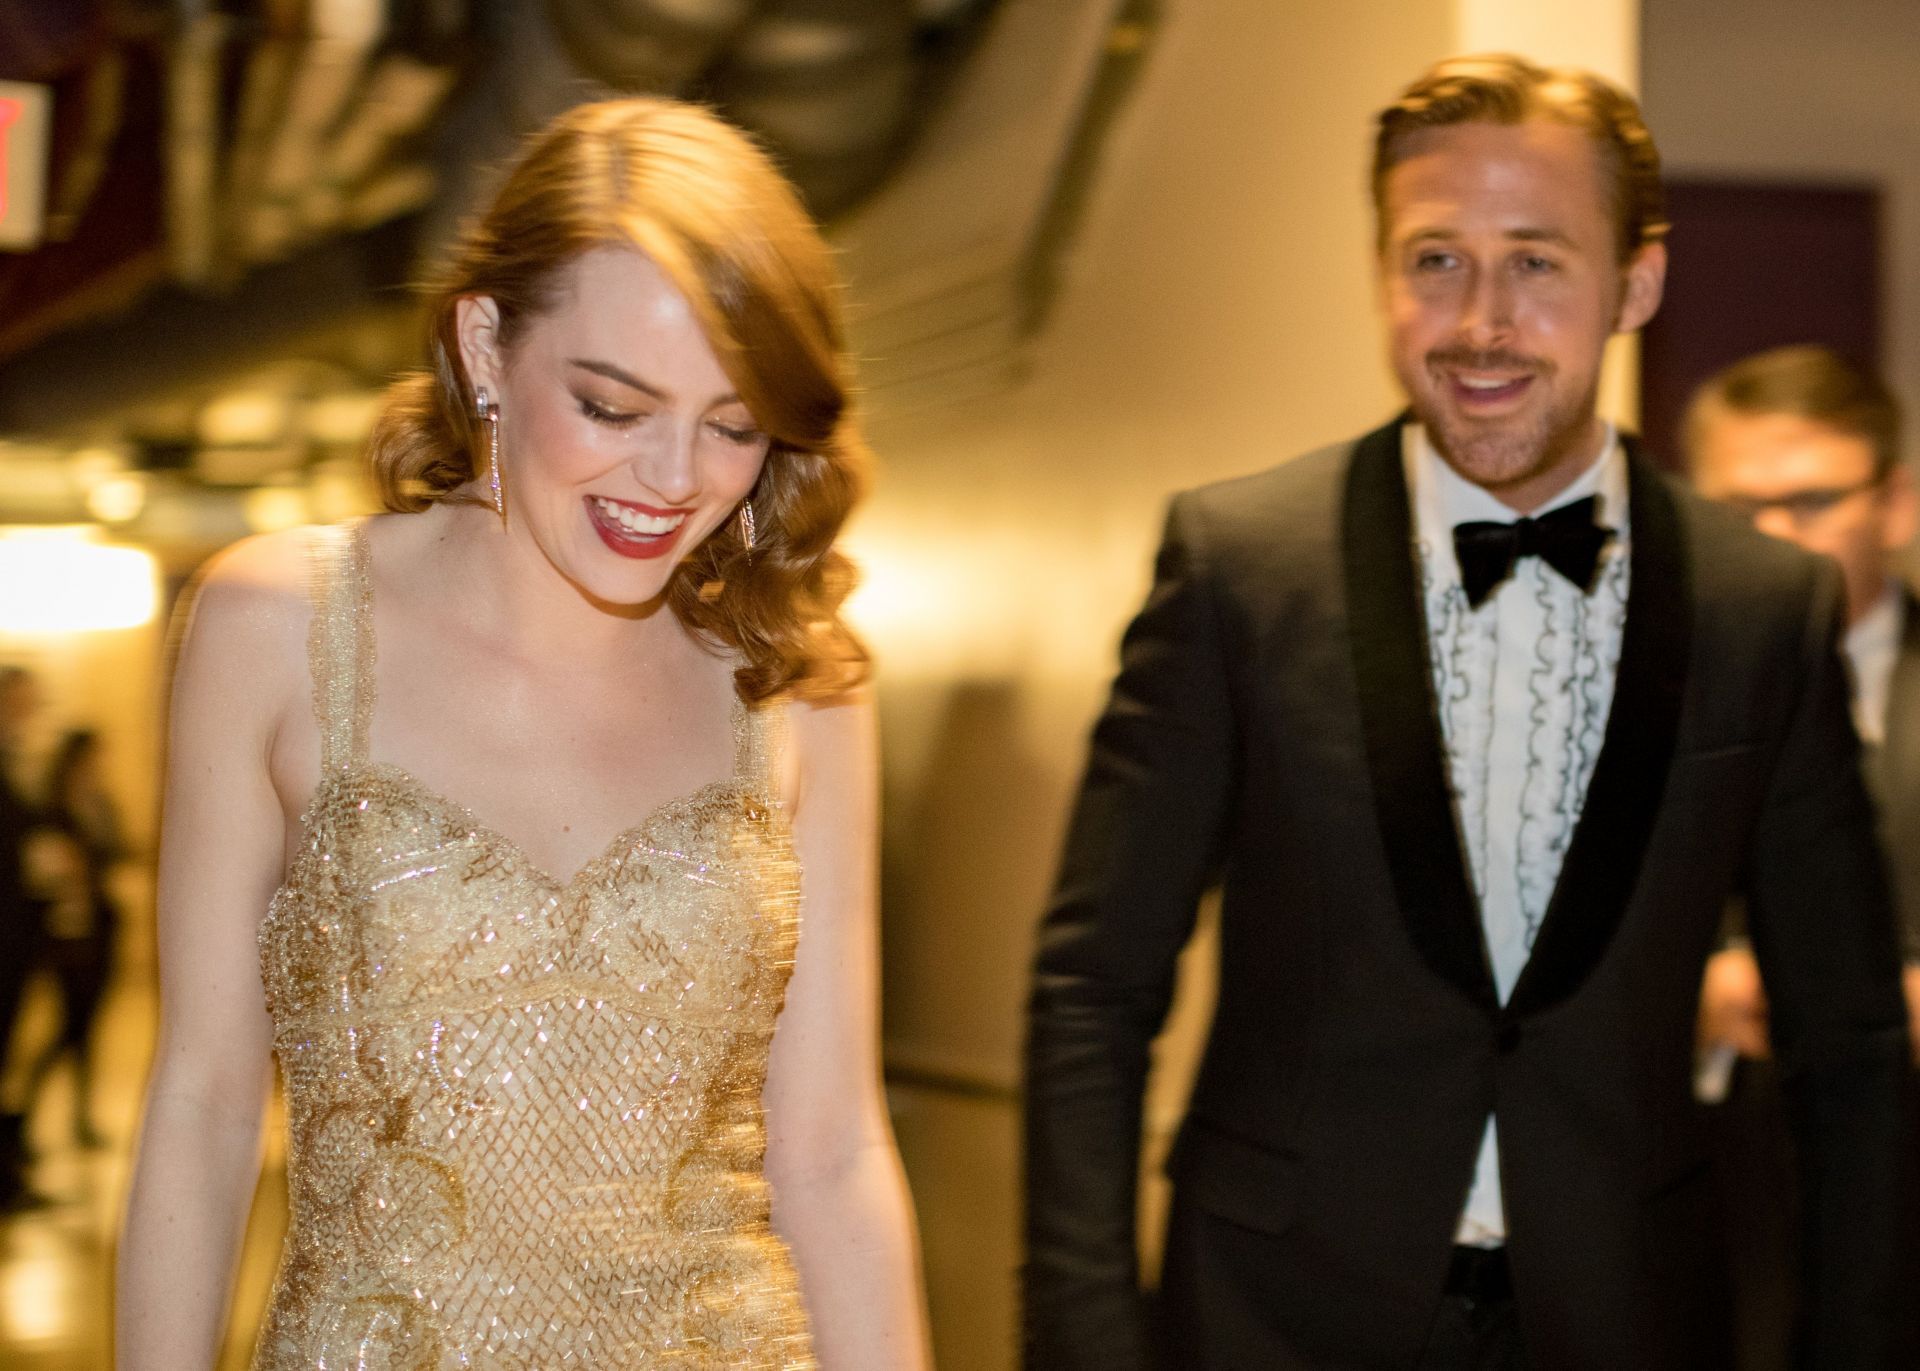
(1878,632)
(1873,651)
(1442,497)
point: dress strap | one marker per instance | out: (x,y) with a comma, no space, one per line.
(340,642)
(759,742)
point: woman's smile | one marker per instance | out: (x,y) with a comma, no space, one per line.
(635,530)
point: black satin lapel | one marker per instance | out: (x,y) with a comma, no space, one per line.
(1406,755)
(1630,776)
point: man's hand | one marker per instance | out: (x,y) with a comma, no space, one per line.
(1733,1004)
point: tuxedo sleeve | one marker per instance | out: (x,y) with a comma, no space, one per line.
(1141,849)
(1821,920)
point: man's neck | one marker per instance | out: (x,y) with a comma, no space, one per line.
(1576,457)
(1528,495)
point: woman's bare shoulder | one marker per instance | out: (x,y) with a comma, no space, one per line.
(243,623)
(843,715)
(833,741)
(257,585)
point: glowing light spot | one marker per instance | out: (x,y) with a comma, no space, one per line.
(59,580)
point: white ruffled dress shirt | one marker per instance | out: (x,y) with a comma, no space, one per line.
(1524,685)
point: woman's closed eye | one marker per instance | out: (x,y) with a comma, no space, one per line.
(606,414)
(740,435)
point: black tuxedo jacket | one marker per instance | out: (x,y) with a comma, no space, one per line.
(1893,775)
(1272,730)
(1760,1195)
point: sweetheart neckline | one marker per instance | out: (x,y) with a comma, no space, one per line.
(619,843)
(359,666)
(614,846)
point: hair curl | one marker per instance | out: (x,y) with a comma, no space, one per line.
(1497,88)
(708,207)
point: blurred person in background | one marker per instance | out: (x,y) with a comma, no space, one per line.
(1807,445)
(19,916)
(1477,721)
(554,1096)
(79,841)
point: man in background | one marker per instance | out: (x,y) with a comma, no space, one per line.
(1808,446)
(19,918)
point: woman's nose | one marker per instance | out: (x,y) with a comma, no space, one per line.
(670,466)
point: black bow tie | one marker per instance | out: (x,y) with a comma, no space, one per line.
(1567,539)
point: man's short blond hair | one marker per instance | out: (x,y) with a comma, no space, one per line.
(1497,88)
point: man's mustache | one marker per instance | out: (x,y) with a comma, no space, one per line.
(1494,359)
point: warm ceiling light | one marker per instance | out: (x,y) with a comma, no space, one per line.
(244,418)
(59,580)
(245,466)
(90,464)
(117,499)
(269,509)
(343,419)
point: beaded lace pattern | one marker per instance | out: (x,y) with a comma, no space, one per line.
(524,1113)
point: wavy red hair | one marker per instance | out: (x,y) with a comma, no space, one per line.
(708,206)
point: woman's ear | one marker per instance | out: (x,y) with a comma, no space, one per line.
(476,325)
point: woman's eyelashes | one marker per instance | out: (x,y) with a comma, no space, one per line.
(740,435)
(604,414)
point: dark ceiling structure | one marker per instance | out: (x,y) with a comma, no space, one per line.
(226,178)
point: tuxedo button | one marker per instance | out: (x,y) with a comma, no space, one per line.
(1507,1038)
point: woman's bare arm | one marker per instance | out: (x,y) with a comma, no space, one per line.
(839,1196)
(241,676)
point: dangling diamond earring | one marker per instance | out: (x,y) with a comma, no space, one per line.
(746,523)
(489,414)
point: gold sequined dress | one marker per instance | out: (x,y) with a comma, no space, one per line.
(524,1115)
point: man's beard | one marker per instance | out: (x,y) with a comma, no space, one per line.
(1502,453)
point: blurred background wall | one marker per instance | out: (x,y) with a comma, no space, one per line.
(1790,102)
(1097,250)
(1209,312)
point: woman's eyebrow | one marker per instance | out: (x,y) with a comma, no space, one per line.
(627,378)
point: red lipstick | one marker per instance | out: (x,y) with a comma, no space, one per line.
(637,543)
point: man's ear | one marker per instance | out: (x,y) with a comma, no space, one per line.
(1646,281)
(476,325)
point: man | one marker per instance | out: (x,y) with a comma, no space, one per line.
(1478,722)
(19,915)
(1808,446)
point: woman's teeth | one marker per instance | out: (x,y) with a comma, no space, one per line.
(635,522)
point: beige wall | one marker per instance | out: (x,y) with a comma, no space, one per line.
(1602,37)
(1784,90)
(1216,317)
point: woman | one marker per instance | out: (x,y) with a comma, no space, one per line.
(539,1118)
(80,843)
